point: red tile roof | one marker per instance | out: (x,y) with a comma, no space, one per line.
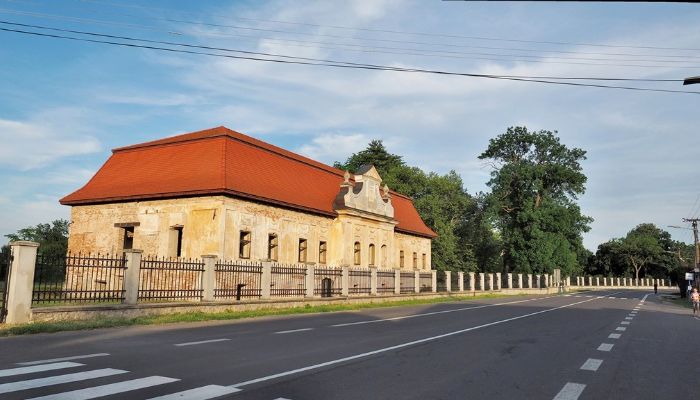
(222,161)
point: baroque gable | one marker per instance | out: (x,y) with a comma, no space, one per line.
(365,193)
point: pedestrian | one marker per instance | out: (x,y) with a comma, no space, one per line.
(656,288)
(695,298)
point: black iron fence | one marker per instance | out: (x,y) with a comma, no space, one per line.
(170,279)
(5,261)
(78,279)
(441,282)
(386,282)
(408,282)
(288,281)
(328,281)
(426,282)
(454,281)
(238,279)
(360,281)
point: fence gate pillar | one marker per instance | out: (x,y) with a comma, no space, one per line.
(397,281)
(345,282)
(434,280)
(448,280)
(498,280)
(373,281)
(460,284)
(131,275)
(471,281)
(310,281)
(266,280)
(416,282)
(21,282)
(208,277)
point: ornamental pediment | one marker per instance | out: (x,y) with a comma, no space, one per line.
(365,193)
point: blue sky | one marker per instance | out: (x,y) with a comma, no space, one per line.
(64,105)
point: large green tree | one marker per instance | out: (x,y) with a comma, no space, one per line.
(52,238)
(441,200)
(535,183)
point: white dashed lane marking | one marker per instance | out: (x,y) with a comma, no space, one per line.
(592,364)
(605,347)
(201,342)
(294,330)
(621,328)
(625,322)
(570,391)
(614,336)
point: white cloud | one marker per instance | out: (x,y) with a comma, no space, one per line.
(334,147)
(43,140)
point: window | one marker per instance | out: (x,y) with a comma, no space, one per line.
(401,259)
(357,254)
(272,247)
(322,250)
(371,255)
(244,245)
(383,255)
(415,260)
(302,250)
(175,245)
(128,242)
(424,260)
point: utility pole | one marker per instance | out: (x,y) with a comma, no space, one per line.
(696,270)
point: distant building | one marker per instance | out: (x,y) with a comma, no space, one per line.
(223,193)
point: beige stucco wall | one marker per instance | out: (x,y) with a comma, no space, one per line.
(212,225)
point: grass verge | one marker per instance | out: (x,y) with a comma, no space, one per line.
(198,316)
(677,300)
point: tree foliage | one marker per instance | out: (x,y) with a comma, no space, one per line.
(534,185)
(442,202)
(52,238)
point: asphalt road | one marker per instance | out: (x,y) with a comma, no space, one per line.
(593,345)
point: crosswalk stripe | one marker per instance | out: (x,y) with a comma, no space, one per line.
(63,359)
(110,389)
(200,393)
(37,368)
(57,380)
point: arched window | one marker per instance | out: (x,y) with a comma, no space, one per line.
(358,258)
(401,259)
(371,255)
(383,255)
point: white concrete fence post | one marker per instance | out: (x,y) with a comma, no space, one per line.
(345,282)
(546,281)
(520,281)
(597,281)
(416,284)
(460,283)
(397,281)
(266,280)
(490,282)
(21,283)
(529,281)
(131,275)
(434,282)
(471,282)
(448,280)
(208,277)
(373,281)
(537,281)
(310,281)
(509,281)
(498,280)
(481,281)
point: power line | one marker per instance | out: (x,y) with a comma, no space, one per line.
(363,48)
(365,67)
(401,32)
(317,59)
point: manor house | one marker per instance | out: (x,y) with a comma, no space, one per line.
(219,192)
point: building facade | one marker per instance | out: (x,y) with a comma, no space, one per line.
(219,192)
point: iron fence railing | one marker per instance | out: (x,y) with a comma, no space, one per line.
(360,281)
(328,281)
(5,261)
(426,282)
(408,282)
(238,279)
(454,281)
(441,282)
(170,279)
(386,282)
(288,281)
(78,278)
